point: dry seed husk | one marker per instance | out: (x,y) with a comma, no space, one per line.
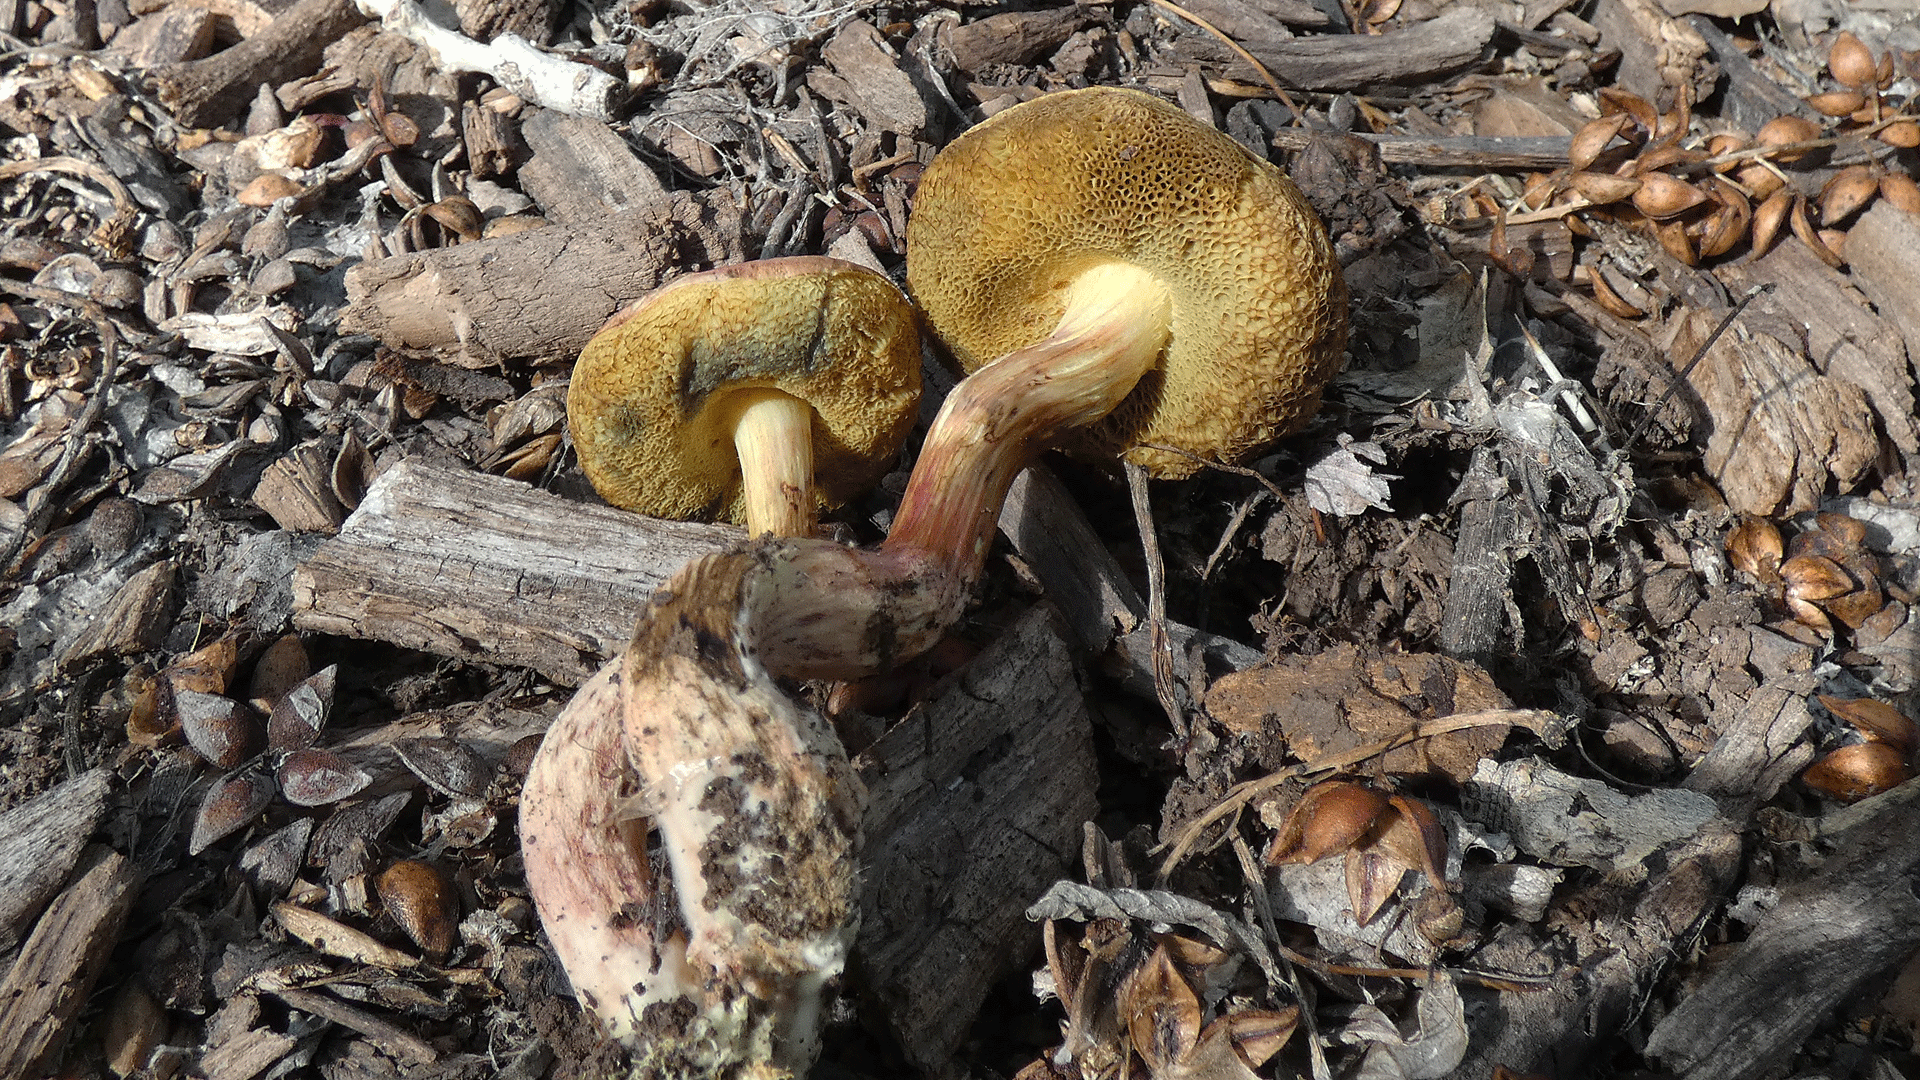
(1851,62)
(1786,131)
(1903,133)
(1729,223)
(1673,237)
(1876,720)
(1852,773)
(1754,547)
(1803,228)
(1850,189)
(1604,295)
(1664,196)
(1592,138)
(1602,188)
(1837,103)
(1614,100)
(1656,160)
(1759,180)
(1900,190)
(1768,219)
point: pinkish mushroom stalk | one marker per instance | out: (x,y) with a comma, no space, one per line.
(1003,415)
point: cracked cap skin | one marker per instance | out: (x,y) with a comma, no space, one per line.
(1015,208)
(651,405)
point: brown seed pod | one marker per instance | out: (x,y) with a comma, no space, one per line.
(1664,157)
(1664,196)
(1608,299)
(1727,224)
(1540,190)
(1851,62)
(1815,577)
(1329,818)
(1803,228)
(1673,237)
(1725,143)
(1902,133)
(229,805)
(1787,131)
(1759,180)
(1876,721)
(220,729)
(1843,529)
(422,901)
(1602,188)
(319,778)
(1754,547)
(1614,100)
(1768,218)
(1852,773)
(1850,189)
(1592,138)
(1837,103)
(1835,241)
(1900,190)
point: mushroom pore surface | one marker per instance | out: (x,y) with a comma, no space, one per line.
(657,392)
(1008,214)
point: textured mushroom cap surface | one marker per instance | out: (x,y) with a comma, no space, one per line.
(650,408)
(1015,208)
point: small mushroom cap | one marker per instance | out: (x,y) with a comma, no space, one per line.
(1015,208)
(650,408)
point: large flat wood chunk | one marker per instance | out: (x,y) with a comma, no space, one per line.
(470,565)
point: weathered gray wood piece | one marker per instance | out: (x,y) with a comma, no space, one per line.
(1337,62)
(39,842)
(1474,621)
(56,969)
(480,567)
(1105,616)
(470,565)
(1477,152)
(1619,933)
(977,799)
(203,93)
(542,293)
(582,171)
(1828,935)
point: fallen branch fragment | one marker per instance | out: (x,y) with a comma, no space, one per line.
(523,296)
(203,93)
(1479,153)
(1826,937)
(539,77)
(481,567)
(56,968)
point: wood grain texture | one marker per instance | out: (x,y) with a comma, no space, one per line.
(39,842)
(976,804)
(1827,936)
(542,293)
(470,565)
(57,967)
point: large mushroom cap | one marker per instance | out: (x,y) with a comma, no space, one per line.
(1014,209)
(656,392)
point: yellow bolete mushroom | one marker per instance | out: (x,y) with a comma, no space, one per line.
(753,393)
(755,804)
(1133,274)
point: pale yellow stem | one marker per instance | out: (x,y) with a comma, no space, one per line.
(774,439)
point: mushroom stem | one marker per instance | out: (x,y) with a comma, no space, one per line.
(586,863)
(773,436)
(1114,327)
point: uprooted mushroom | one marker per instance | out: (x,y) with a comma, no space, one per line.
(749,393)
(1106,326)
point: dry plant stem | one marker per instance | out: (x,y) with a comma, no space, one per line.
(774,440)
(1243,793)
(1113,329)
(1156,601)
